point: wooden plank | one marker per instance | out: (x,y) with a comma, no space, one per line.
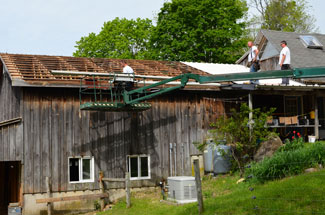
(155,161)
(55,144)
(94,139)
(11,121)
(28,156)
(114,179)
(6,143)
(120,145)
(65,139)
(37,153)
(12,144)
(19,144)
(73,198)
(45,137)
(127,137)
(110,144)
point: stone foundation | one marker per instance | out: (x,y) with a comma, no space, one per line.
(70,207)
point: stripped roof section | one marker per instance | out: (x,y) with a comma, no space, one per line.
(37,68)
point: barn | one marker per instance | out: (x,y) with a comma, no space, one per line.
(43,132)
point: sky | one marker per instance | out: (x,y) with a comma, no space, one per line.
(52,27)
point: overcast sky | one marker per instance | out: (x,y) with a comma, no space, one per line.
(52,27)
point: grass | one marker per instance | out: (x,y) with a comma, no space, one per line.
(303,194)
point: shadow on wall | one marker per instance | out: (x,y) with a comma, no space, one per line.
(113,136)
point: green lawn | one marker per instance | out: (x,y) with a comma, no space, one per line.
(303,194)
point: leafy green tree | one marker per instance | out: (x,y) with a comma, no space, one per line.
(200,31)
(120,38)
(284,15)
(241,133)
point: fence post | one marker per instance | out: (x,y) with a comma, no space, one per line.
(127,190)
(198,185)
(48,190)
(102,190)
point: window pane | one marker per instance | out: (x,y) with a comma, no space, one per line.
(144,167)
(86,169)
(134,167)
(74,169)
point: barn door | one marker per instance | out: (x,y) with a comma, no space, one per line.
(9,184)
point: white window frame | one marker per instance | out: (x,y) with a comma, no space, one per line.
(139,166)
(80,160)
(314,40)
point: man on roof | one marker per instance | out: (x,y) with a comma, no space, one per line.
(126,83)
(126,68)
(284,59)
(253,60)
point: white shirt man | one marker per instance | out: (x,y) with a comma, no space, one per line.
(285,60)
(127,69)
(253,60)
(253,53)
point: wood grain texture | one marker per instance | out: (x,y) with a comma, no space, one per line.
(54,129)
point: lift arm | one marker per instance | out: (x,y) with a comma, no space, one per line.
(132,99)
(294,73)
(127,95)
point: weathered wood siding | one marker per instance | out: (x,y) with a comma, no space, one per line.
(11,147)
(270,64)
(9,97)
(55,128)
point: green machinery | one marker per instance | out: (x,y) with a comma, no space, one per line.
(104,91)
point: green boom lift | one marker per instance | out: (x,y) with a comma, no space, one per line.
(100,91)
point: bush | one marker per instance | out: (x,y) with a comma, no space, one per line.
(293,145)
(243,134)
(288,162)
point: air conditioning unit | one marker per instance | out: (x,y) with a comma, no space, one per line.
(182,189)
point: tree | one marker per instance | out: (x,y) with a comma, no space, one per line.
(120,38)
(284,15)
(242,134)
(200,30)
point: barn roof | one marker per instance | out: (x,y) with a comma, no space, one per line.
(29,70)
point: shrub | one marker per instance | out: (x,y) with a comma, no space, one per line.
(288,162)
(242,134)
(293,145)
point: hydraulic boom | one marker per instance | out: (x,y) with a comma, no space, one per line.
(130,100)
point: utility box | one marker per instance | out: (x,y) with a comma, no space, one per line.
(182,189)
(201,163)
(14,210)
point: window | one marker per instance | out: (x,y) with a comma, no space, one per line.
(81,169)
(139,166)
(311,41)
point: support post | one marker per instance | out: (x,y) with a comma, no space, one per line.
(102,190)
(127,190)
(316,128)
(48,190)
(198,185)
(175,158)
